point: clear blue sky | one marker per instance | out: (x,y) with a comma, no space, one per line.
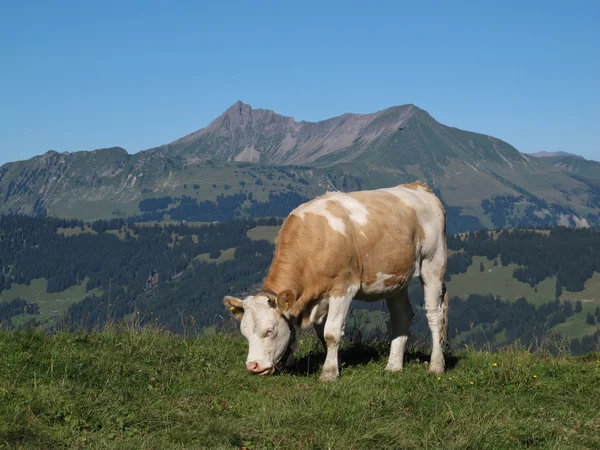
(85,75)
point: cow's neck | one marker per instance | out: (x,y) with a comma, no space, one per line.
(292,270)
(284,275)
(283,279)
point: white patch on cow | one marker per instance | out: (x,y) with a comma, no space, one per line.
(378,286)
(429,214)
(319,208)
(357,212)
(319,311)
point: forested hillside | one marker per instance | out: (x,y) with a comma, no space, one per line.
(58,273)
(122,265)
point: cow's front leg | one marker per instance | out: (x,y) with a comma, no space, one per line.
(334,330)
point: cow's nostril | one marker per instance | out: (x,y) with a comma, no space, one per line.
(252,366)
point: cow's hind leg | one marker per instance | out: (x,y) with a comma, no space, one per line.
(432,276)
(334,330)
(320,332)
(401,314)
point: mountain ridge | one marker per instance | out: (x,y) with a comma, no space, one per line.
(243,133)
(544,154)
(351,151)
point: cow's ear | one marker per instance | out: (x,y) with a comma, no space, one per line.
(285,300)
(271,298)
(235,305)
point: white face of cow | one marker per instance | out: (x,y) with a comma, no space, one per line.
(267,331)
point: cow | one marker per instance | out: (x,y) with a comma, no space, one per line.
(364,245)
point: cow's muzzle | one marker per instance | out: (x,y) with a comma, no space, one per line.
(255,367)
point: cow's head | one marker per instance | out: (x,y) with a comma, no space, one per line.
(268,326)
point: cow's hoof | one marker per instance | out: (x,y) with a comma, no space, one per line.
(393,368)
(325,377)
(436,368)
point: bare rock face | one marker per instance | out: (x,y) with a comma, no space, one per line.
(395,145)
(403,132)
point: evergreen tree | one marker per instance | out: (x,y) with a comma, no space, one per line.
(590,319)
(568,308)
(575,346)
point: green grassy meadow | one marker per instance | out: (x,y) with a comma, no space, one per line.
(268,233)
(55,302)
(129,388)
(226,255)
(498,280)
(576,325)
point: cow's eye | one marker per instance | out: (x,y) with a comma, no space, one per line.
(269,332)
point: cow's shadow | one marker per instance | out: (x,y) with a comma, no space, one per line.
(362,354)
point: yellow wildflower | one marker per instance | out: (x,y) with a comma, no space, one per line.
(494,364)
(535,377)
(471,382)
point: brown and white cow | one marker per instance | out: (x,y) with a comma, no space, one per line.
(365,245)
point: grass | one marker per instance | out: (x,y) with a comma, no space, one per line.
(226,255)
(122,233)
(78,206)
(166,223)
(132,388)
(266,232)
(36,292)
(591,291)
(498,280)
(75,231)
(576,325)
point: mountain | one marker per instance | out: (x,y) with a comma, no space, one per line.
(256,162)
(257,135)
(554,154)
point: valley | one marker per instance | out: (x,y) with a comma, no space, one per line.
(86,275)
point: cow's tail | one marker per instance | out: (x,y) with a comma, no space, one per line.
(444,305)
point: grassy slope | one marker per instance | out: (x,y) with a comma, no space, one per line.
(498,280)
(264,232)
(75,231)
(36,292)
(211,182)
(591,292)
(226,255)
(576,325)
(153,390)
